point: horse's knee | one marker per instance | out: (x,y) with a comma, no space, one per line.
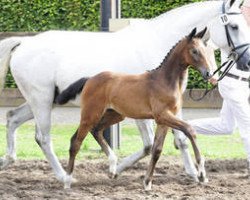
(12,121)
(228,130)
(41,140)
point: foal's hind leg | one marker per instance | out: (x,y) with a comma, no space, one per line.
(15,118)
(147,133)
(75,144)
(160,135)
(109,118)
(89,117)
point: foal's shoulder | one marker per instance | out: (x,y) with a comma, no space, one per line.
(105,74)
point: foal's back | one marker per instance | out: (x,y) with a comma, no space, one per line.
(127,94)
(130,95)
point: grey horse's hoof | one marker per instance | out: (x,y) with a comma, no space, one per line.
(5,162)
(202,178)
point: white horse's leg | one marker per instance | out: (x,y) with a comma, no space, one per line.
(42,115)
(181,143)
(147,133)
(15,118)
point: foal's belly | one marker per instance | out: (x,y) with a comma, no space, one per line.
(135,111)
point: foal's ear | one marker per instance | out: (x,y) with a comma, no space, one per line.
(201,33)
(192,34)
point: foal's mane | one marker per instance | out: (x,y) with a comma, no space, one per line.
(168,54)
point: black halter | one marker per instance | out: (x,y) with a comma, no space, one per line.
(233,57)
(229,39)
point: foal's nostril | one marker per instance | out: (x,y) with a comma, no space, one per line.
(248,64)
(208,74)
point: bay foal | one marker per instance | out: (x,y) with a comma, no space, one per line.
(108,98)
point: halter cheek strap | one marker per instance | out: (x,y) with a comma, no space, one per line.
(225,22)
(234,54)
(230,62)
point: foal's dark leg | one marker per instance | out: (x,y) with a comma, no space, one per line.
(75,144)
(170,120)
(160,135)
(71,151)
(109,118)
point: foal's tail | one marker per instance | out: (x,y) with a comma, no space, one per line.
(71,92)
(6,48)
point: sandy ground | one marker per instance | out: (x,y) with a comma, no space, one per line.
(34,180)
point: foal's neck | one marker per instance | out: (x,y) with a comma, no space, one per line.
(173,69)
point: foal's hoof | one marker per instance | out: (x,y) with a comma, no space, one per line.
(202,178)
(67,181)
(147,186)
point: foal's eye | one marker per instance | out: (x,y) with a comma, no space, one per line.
(234,26)
(194,52)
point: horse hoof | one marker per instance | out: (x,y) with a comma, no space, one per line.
(74,180)
(193,176)
(147,186)
(202,178)
(66,186)
(1,162)
(113,176)
(5,162)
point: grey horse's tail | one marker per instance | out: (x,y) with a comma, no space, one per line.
(71,92)
(7,46)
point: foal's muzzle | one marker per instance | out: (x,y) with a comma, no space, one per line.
(206,74)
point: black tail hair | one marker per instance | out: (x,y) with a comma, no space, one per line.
(71,92)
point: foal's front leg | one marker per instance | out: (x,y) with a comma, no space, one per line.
(160,135)
(182,144)
(172,121)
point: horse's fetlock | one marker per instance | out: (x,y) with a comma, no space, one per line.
(147,183)
(182,144)
(157,153)
(147,149)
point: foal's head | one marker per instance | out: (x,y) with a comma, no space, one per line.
(197,54)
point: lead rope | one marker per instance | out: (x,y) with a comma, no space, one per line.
(207,90)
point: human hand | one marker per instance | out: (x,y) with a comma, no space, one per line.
(213,81)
